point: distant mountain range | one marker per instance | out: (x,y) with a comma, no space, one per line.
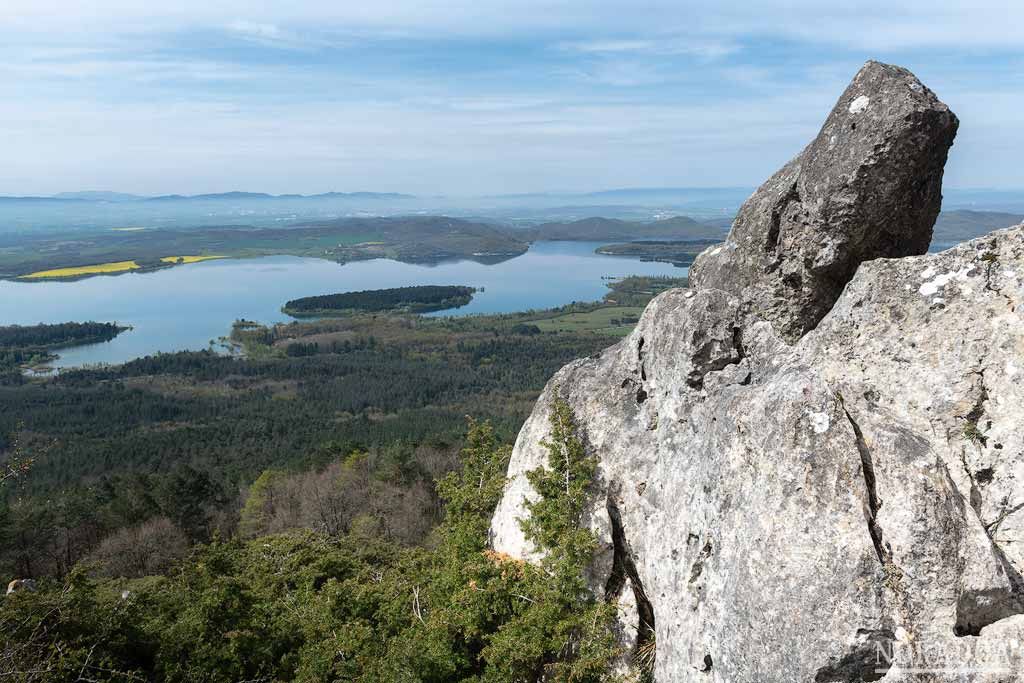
(625,214)
(641,195)
(120,197)
(599,229)
(96,196)
(263,195)
(982,199)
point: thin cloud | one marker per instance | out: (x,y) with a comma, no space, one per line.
(262,31)
(701,48)
(273,36)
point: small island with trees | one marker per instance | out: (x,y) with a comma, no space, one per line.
(419,299)
(676,252)
(33,345)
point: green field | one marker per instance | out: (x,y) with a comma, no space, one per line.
(616,321)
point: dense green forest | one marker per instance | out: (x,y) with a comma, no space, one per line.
(353,606)
(33,344)
(418,299)
(57,336)
(183,435)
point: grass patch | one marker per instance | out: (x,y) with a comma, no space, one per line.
(615,321)
(81,271)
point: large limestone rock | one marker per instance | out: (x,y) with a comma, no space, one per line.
(869,185)
(845,505)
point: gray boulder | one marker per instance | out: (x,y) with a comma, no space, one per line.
(869,185)
(843,505)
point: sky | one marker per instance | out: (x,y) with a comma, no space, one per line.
(475,97)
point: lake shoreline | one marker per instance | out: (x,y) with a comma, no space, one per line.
(191,307)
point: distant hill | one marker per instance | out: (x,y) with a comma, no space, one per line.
(963,224)
(40,200)
(676,252)
(600,229)
(723,223)
(99,196)
(416,239)
(235,196)
(360,195)
(412,239)
(102,196)
(205,197)
(658,192)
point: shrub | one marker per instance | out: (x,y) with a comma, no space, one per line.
(152,547)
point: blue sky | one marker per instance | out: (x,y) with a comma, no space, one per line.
(474,97)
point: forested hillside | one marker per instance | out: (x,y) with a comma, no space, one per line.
(306,495)
(181,435)
(332,606)
(366,411)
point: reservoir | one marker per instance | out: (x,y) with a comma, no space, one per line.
(188,307)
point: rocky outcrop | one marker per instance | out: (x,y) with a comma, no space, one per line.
(823,487)
(869,185)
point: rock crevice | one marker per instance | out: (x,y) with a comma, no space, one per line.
(874,503)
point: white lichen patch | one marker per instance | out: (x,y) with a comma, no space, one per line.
(819,422)
(940,281)
(859,104)
(716,251)
(927,273)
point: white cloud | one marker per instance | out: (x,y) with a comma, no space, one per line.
(704,49)
(261,30)
(256,30)
(273,36)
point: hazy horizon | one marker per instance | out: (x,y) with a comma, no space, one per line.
(115,195)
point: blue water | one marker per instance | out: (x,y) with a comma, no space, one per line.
(187,307)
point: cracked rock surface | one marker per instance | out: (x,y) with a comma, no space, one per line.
(827,487)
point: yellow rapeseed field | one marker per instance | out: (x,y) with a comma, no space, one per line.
(78,271)
(188,259)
